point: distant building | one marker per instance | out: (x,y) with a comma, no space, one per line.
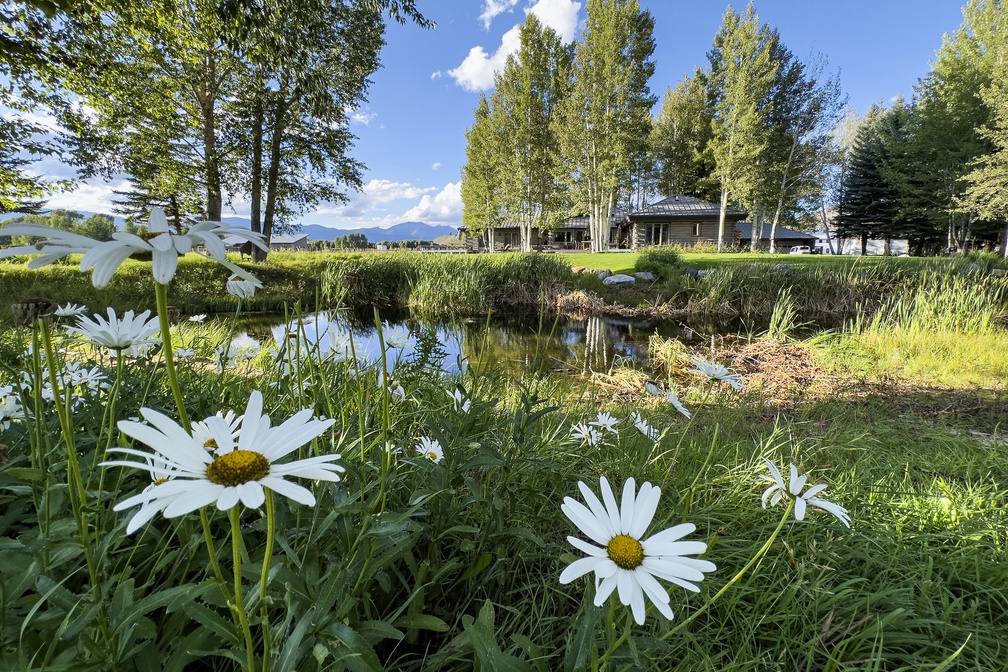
(297,241)
(784,240)
(679,220)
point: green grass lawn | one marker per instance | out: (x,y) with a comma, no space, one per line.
(624,262)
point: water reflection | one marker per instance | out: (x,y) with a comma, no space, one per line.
(598,343)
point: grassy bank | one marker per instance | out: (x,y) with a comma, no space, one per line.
(441,285)
(411,564)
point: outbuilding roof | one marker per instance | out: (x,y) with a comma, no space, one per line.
(783,233)
(685,207)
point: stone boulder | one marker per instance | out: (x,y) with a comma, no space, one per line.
(619,279)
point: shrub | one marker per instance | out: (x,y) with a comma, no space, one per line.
(664,262)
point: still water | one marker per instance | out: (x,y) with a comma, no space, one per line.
(597,343)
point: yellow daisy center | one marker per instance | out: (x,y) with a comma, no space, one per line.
(211,444)
(237,467)
(625,551)
(432,455)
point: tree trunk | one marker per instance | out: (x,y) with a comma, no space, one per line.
(721,220)
(887,247)
(864,244)
(257,156)
(273,174)
(211,157)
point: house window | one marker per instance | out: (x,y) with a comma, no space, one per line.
(696,229)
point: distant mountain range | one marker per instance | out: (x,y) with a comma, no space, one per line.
(393,234)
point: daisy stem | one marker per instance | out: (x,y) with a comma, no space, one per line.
(110,410)
(735,579)
(710,389)
(620,641)
(386,406)
(161,295)
(78,493)
(239,599)
(264,577)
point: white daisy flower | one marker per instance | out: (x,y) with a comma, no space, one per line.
(778,491)
(236,471)
(644,427)
(203,433)
(605,421)
(92,379)
(586,433)
(431,449)
(199,319)
(118,334)
(243,286)
(717,372)
(397,393)
(55,245)
(70,310)
(10,407)
(458,400)
(184,353)
(339,343)
(395,337)
(622,560)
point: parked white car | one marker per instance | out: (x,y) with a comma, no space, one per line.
(800,249)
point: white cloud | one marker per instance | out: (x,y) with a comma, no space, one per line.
(560,15)
(492,8)
(372,195)
(435,165)
(88,197)
(363,118)
(476,72)
(444,208)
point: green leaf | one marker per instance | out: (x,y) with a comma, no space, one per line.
(421,622)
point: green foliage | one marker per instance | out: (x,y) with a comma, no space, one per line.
(664,262)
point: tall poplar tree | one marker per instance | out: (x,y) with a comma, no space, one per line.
(481,176)
(607,114)
(524,108)
(987,193)
(741,74)
(679,139)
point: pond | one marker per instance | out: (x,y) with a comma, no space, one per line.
(595,343)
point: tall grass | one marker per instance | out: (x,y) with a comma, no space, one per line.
(443,285)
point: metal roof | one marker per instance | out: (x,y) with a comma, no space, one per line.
(783,233)
(685,207)
(288,239)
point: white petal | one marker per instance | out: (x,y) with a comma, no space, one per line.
(774,473)
(227,498)
(671,534)
(585,547)
(813,491)
(610,503)
(577,569)
(290,490)
(625,584)
(644,510)
(627,507)
(251,494)
(675,548)
(605,588)
(835,509)
(585,521)
(799,508)
(164,265)
(598,511)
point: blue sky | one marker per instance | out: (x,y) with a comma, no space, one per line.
(412,129)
